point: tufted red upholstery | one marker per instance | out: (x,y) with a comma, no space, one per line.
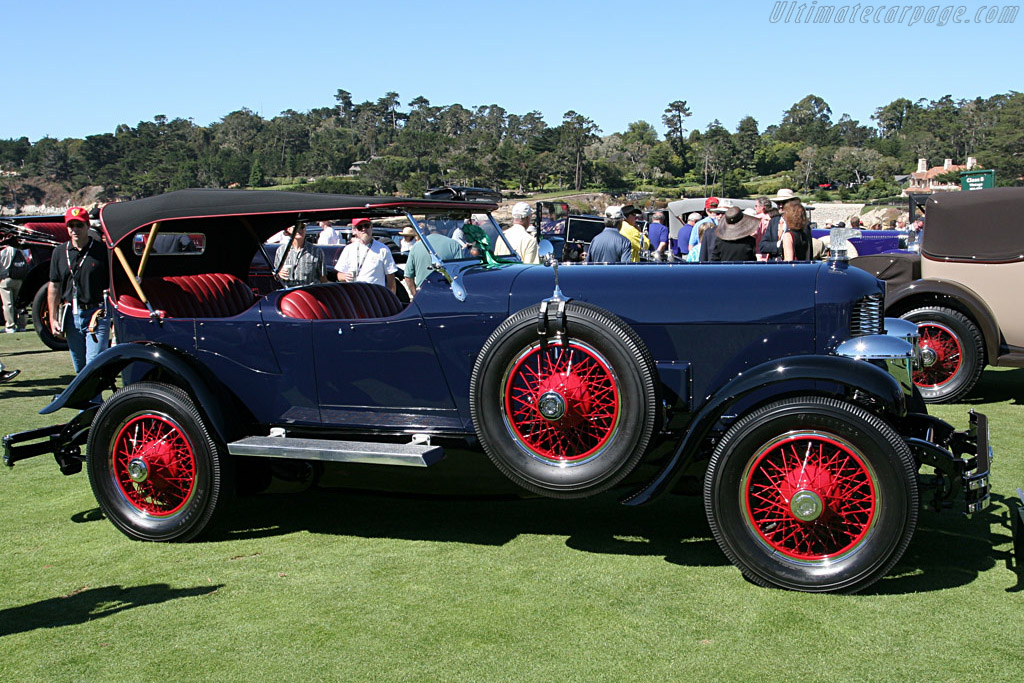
(206,295)
(348,300)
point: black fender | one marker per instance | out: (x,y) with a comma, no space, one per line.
(928,292)
(104,369)
(853,374)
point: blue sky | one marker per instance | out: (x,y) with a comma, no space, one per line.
(616,62)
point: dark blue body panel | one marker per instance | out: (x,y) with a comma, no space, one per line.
(704,325)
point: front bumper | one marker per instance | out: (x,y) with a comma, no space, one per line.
(64,441)
(961,460)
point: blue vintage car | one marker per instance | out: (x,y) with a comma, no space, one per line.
(872,242)
(794,415)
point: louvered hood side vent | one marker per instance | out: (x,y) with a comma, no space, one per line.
(867,315)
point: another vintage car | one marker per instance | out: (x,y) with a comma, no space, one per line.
(38,236)
(961,288)
(794,415)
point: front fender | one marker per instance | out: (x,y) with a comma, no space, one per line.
(924,292)
(104,369)
(853,374)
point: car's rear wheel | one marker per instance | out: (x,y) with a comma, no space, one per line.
(155,470)
(952,353)
(812,494)
(565,418)
(41,320)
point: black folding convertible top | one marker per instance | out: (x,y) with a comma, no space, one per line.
(981,225)
(268,210)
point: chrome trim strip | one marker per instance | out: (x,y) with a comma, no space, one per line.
(366,452)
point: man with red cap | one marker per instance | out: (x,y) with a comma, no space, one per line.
(710,204)
(79,273)
(366,259)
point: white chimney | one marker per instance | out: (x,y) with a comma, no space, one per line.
(947,163)
(922,165)
(971,163)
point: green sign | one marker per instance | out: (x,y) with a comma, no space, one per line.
(977,180)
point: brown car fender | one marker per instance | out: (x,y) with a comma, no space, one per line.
(928,292)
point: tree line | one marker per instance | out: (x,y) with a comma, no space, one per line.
(409,148)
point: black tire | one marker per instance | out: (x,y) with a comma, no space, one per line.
(600,390)
(41,320)
(953,351)
(155,470)
(812,494)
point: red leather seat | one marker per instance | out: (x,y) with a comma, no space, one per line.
(349,300)
(206,295)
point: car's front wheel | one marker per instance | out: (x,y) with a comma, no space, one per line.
(155,469)
(952,353)
(812,494)
(565,417)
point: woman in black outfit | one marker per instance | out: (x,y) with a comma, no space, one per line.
(796,240)
(734,237)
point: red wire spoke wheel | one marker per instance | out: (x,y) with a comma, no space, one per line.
(561,401)
(570,415)
(154,465)
(156,472)
(810,497)
(813,494)
(952,353)
(942,356)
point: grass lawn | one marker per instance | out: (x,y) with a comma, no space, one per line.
(327,585)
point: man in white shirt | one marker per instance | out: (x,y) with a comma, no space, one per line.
(366,259)
(519,236)
(329,234)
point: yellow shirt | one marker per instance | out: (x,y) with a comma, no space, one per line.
(634,236)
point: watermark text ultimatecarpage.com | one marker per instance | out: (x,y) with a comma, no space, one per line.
(795,12)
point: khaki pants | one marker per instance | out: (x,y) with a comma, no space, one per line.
(9,289)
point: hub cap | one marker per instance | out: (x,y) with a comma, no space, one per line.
(810,497)
(551,405)
(941,355)
(137,470)
(154,465)
(561,402)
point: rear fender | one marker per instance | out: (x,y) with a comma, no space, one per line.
(101,373)
(853,375)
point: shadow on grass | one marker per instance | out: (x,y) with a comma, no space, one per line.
(93,515)
(28,387)
(947,550)
(997,387)
(89,604)
(674,527)
(31,352)
(950,550)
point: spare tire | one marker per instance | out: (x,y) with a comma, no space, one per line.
(564,417)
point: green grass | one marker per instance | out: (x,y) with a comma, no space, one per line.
(326,585)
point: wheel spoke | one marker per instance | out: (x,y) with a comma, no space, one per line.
(810,497)
(576,379)
(943,353)
(154,465)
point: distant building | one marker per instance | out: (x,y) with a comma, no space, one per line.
(923,180)
(357,166)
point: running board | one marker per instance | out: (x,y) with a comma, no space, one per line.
(367,452)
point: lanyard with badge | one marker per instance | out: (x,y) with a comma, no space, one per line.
(74,272)
(365,251)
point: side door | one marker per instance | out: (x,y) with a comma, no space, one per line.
(381,374)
